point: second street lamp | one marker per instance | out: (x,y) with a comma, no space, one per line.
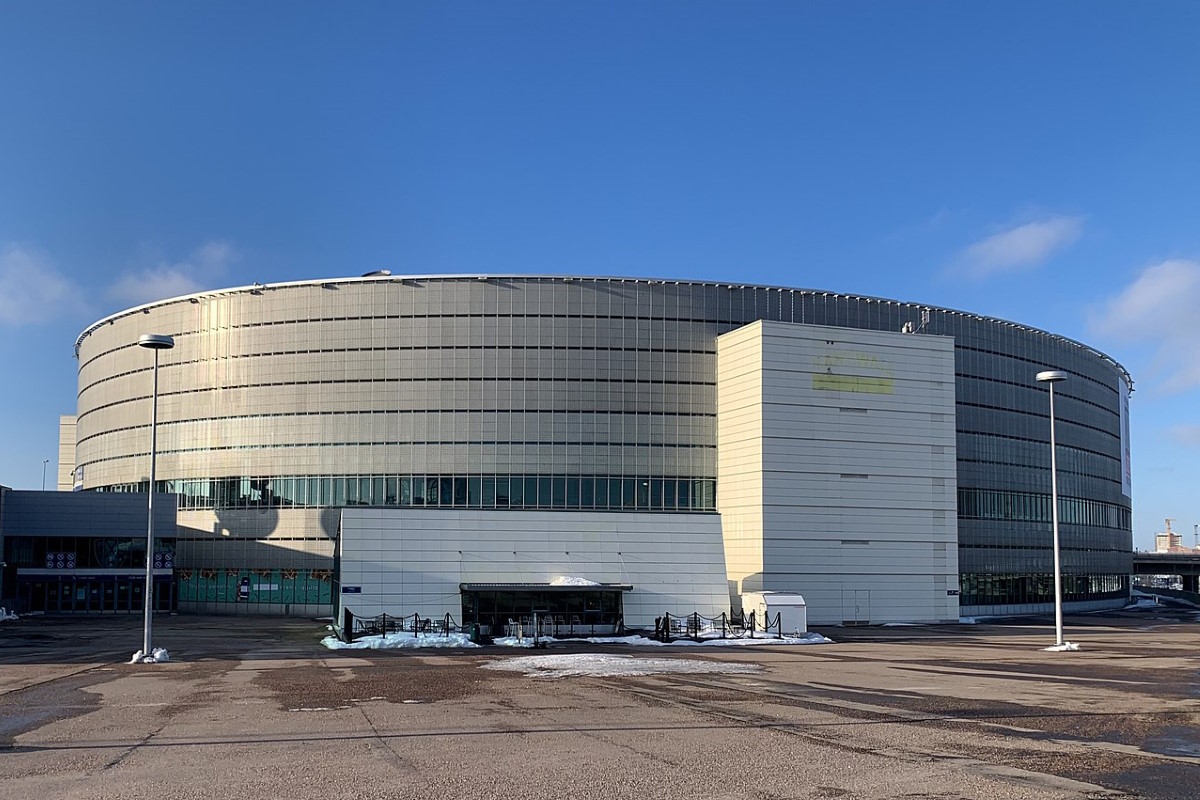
(1051,377)
(155,342)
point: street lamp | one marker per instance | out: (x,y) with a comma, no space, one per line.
(155,342)
(45,461)
(1051,377)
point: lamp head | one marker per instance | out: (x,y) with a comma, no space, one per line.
(1051,376)
(156,341)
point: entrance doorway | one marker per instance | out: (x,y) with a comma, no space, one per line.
(856,607)
(92,594)
(560,610)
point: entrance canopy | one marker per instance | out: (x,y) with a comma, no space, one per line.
(545,587)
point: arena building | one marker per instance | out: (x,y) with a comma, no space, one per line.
(608,449)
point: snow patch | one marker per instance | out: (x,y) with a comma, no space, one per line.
(567,580)
(400,641)
(1061,648)
(157,656)
(522,641)
(713,640)
(319,708)
(6,615)
(611,666)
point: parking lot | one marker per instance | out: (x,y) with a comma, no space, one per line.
(255,707)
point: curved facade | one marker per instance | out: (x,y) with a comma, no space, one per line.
(283,402)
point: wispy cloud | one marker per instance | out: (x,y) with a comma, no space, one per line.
(1019,247)
(170,279)
(1184,434)
(1156,309)
(32,290)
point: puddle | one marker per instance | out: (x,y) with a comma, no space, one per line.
(26,710)
(1176,741)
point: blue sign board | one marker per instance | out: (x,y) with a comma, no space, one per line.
(351,590)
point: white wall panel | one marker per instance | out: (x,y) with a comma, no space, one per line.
(836,469)
(412,561)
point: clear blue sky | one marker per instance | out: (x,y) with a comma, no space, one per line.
(1036,162)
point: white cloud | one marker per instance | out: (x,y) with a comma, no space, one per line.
(32,290)
(1157,309)
(1020,247)
(165,279)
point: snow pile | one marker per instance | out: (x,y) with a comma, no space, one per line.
(1061,648)
(400,641)
(609,666)
(6,615)
(1142,602)
(522,641)
(157,656)
(569,581)
(713,641)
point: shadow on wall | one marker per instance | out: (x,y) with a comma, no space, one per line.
(258,561)
(264,522)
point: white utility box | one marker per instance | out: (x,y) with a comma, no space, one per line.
(791,608)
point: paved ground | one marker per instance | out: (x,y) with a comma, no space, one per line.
(253,707)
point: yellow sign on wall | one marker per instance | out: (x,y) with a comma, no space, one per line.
(853,372)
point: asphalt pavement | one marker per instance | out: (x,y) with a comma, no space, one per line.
(256,707)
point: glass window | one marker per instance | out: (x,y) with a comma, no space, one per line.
(643,494)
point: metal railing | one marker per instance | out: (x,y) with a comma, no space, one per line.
(563,626)
(697,627)
(354,627)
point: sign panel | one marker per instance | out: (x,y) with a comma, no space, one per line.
(351,590)
(1126,468)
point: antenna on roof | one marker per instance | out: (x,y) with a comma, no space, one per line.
(912,327)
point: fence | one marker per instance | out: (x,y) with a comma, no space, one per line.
(355,627)
(562,626)
(696,627)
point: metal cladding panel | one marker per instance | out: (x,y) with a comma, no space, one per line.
(630,362)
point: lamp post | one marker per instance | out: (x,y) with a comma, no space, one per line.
(45,461)
(155,342)
(1051,377)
